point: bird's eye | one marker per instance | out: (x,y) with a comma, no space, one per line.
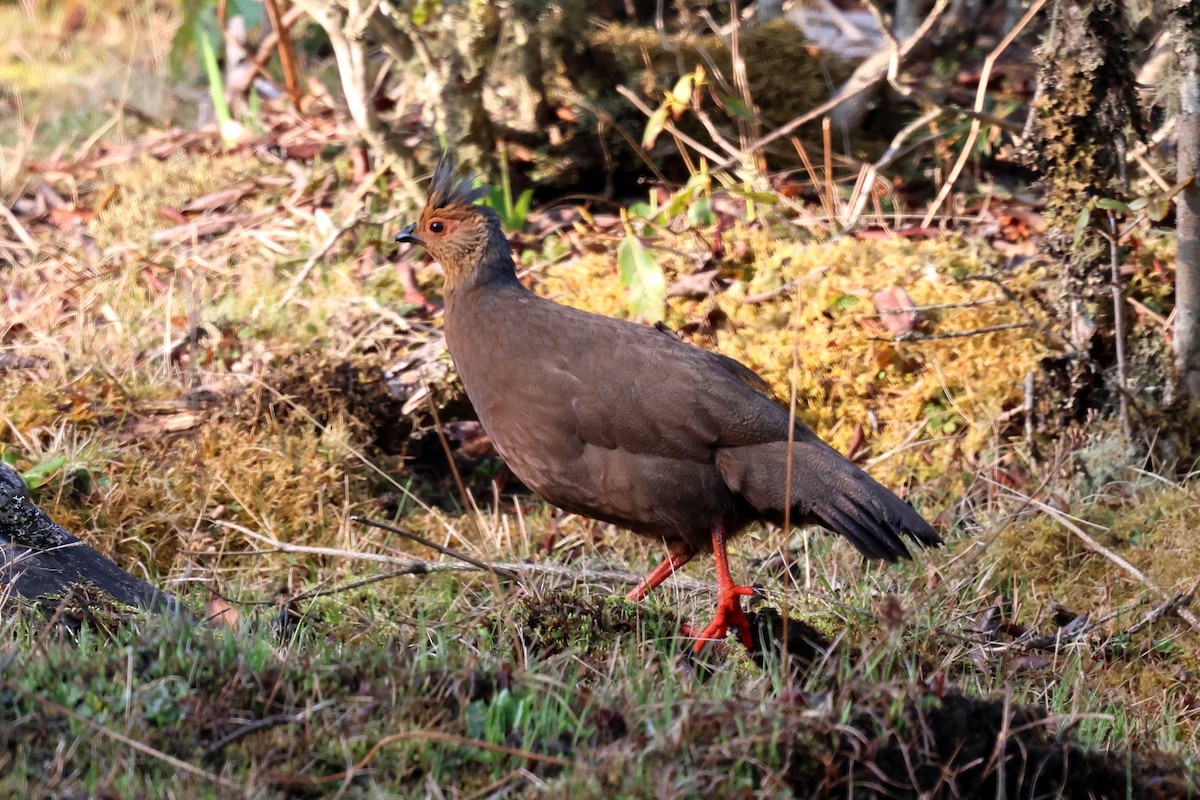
(436,226)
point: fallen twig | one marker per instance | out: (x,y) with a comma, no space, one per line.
(669,127)
(18,229)
(417,566)
(1113,237)
(208,226)
(446,551)
(894,151)
(841,97)
(913,336)
(355,219)
(302,275)
(1042,329)
(1152,616)
(273,721)
(981,301)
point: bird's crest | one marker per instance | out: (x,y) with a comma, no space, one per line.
(446,189)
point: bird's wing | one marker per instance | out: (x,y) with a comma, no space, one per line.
(650,393)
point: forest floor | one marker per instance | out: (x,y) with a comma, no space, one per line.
(212,362)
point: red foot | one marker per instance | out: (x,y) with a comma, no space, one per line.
(729,615)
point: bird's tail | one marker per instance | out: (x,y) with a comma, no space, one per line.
(826,489)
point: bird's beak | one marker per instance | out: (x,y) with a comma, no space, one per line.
(408,234)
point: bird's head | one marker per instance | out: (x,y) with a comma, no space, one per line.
(465,238)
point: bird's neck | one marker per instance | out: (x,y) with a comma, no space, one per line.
(493,269)
(472,305)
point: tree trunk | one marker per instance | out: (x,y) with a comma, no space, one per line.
(41,559)
(1187,227)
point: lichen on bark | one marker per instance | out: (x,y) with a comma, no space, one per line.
(1081,122)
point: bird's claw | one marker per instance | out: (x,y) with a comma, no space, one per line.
(729,615)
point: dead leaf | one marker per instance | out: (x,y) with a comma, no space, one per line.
(219,612)
(304,151)
(895,309)
(1026,248)
(695,284)
(219,200)
(74,22)
(856,441)
(69,217)
(160,425)
(208,226)
(891,612)
(171,215)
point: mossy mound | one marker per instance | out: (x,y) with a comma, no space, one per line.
(557,620)
(141,498)
(1152,527)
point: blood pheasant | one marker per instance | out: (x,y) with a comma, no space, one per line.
(626,424)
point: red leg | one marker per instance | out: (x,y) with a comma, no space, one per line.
(660,574)
(729,604)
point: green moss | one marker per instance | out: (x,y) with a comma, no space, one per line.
(559,620)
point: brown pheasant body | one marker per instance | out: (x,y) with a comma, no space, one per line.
(627,424)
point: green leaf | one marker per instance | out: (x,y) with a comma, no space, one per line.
(1112,204)
(737,108)
(701,179)
(843,302)
(701,213)
(420,13)
(648,212)
(36,477)
(680,202)
(1159,208)
(643,278)
(216,84)
(654,127)
(1081,223)
(521,209)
